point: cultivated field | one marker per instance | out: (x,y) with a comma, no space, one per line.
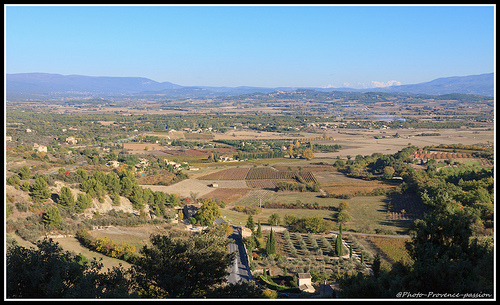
(142,146)
(356,186)
(363,142)
(227,195)
(227,174)
(183,188)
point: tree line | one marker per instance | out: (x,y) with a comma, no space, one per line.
(176,265)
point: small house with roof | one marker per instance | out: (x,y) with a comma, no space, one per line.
(304,282)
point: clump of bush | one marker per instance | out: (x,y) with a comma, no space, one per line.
(106,246)
(249,210)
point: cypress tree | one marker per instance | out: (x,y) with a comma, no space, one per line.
(338,245)
(259,230)
(250,223)
(271,244)
(376,266)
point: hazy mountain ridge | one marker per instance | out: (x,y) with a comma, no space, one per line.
(49,83)
(482,84)
(45,83)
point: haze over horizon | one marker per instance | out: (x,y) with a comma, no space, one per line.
(328,46)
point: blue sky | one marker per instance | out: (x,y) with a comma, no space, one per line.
(269,46)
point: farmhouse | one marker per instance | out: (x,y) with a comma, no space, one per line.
(40,148)
(225,159)
(245,232)
(174,164)
(143,163)
(114,164)
(304,282)
(71,140)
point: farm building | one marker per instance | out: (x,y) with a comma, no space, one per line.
(304,282)
(40,148)
(328,290)
(114,164)
(71,140)
(246,232)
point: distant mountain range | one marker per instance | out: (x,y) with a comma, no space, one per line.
(482,84)
(43,84)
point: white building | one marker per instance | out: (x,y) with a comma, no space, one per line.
(304,282)
(71,140)
(39,148)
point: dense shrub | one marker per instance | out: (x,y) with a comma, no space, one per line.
(247,209)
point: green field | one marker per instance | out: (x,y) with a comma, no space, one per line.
(368,213)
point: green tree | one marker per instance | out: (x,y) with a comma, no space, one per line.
(258,234)
(339,248)
(388,172)
(24,173)
(14,180)
(112,183)
(271,244)
(50,272)
(82,173)
(25,186)
(40,190)
(126,187)
(343,216)
(115,197)
(314,224)
(441,248)
(83,201)
(307,154)
(274,219)
(174,200)
(290,219)
(250,223)
(52,217)
(66,198)
(136,197)
(343,205)
(208,212)
(183,265)
(376,266)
